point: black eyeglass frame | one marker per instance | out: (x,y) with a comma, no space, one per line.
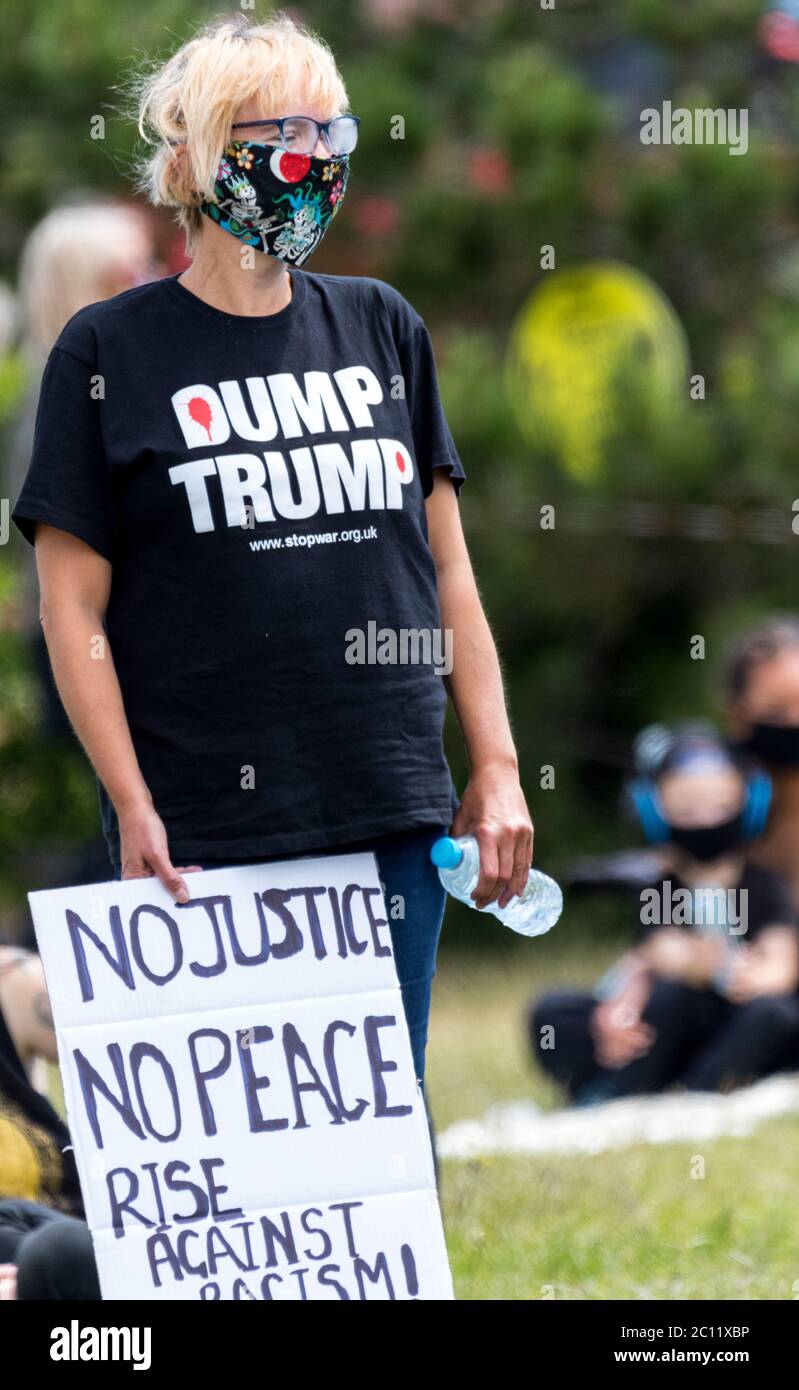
(322,129)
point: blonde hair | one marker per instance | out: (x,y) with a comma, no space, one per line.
(67,262)
(186,106)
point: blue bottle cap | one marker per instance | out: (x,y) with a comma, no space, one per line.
(446,853)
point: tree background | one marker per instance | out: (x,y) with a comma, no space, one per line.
(521,130)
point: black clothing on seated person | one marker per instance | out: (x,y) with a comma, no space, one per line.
(766,897)
(53,1253)
(702,1041)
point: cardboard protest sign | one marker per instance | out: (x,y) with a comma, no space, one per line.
(240,1088)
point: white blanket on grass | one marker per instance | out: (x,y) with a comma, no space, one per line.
(520,1127)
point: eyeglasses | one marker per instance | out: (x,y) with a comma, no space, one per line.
(301,134)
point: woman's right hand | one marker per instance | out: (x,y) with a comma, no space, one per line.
(145,852)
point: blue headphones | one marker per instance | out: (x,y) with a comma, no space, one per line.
(644,795)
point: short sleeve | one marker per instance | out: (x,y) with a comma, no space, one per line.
(647,916)
(768,901)
(433,443)
(67,483)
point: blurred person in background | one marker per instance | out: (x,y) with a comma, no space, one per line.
(762,707)
(707,998)
(45,1245)
(77,255)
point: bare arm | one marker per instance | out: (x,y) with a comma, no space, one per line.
(75,584)
(769,966)
(26,1006)
(493,808)
(618,1032)
(675,954)
(631,980)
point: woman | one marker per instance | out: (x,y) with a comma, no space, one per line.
(237,471)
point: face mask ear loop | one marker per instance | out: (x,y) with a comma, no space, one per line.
(758,802)
(646,801)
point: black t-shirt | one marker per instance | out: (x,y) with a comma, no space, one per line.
(767,901)
(258,485)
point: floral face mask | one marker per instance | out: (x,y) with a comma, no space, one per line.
(279,202)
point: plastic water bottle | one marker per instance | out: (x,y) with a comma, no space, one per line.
(535,910)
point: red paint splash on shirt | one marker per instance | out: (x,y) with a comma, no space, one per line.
(200,412)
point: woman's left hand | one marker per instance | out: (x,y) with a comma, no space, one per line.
(494,810)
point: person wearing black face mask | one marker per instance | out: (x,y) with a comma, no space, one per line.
(762,701)
(709,843)
(708,996)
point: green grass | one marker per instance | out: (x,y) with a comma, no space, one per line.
(628,1224)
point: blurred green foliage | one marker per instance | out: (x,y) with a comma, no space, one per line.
(521,129)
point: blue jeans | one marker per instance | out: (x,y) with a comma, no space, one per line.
(405,870)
